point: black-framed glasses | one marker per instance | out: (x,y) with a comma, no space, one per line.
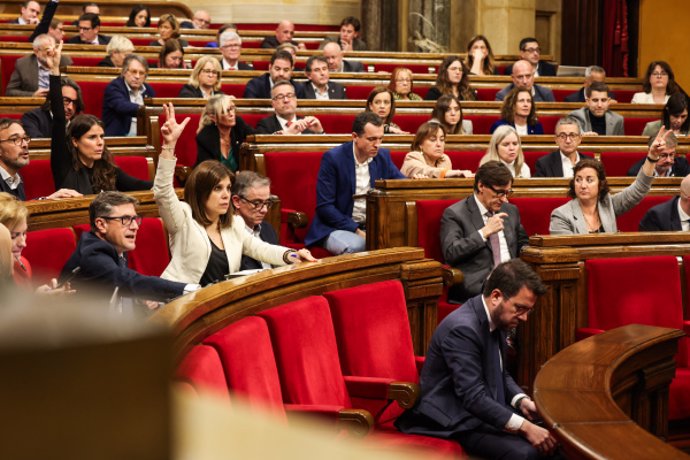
(125,220)
(257,204)
(571,136)
(17,140)
(285,97)
(502,193)
(68,101)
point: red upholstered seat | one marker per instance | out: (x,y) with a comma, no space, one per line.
(151,255)
(47,251)
(410,122)
(618,163)
(38,179)
(535,212)
(481,124)
(7,62)
(531,157)
(465,159)
(630,221)
(487,94)
(202,369)
(185,150)
(549,123)
(136,166)
(649,293)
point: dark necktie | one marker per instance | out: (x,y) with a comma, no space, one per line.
(495,244)
(495,350)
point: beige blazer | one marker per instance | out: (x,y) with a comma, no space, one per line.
(416,163)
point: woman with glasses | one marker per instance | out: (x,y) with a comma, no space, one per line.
(452,79)
(518,111)
(505,146)
(659,84)
(592,208)
(382,103)
(428,158)
(207,240)
(205,80)
(401,85)
(221,132)
(448,112)
(79,158)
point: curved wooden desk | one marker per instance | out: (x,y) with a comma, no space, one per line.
(606,396)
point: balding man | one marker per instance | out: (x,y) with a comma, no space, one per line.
(523,77)
(30,75)
(284,33)
(200,20)
(334,56)
(672,215)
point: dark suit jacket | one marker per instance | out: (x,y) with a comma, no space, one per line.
(458,381)
(662,218)
(463,247)
(551,166)
(680,168)
(531,129)
(38,123)
(118,110)
(270,125)
(335,187)
(24,78)
(544,68)
(272,42)
(352,66)
(102,40)
(101,268)
(578,96)
(541,93)
(18,192)
(267,234)
(335,91)
(240,65)
(260,88)
(208,141)
(190,91)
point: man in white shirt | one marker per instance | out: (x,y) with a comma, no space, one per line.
(29,13)
(320,86)
(561,162)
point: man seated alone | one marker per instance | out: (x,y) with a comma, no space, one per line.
(285,32)
(29,13)
(334,56)
(672,215)
(482,230)
(285,119)
(561,162)
(530,51)
(596,119)
(319,85)
(668,164)
(340,220)
(124,96)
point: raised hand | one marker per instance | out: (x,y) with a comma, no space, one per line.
(659,144)
(171,129)
(53,59)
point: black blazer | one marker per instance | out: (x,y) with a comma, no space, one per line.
(102,40)
(663,217)
(551,166)
(544,68)
(267,234)
(208,141)
(335,91)
(38,123)
(352,66)
(680,168)
(578,96)
(193,92)
(260,88)
(240,65)
(270,125)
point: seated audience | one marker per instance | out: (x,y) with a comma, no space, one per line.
(592,73)
(561,162)
(38,123)
(49,25)
(30,11)
(672,215)
(428,158)
(89,25)
(349,38)
(231,50)
(124,95)
(402,85)
(452,78)
(56,29)
(200,20)
(518,111)
(292,49)
(139,16)
(505,146)
(334,55)
(221,132)
(674,118)
(596,119)
(205,80)
(251,200)
(171,55)
(339,224)
(101,254)
(592,209)
(30,75)
(319,85)
(382,103)
(90,7)
(280,68)
(523,77)
(206,240)
(284,119)
(285,31)
(669,164)
(480,58)
(659,84)
(168,27)
(227,26)
(117,49)
(448,112)
(531,52)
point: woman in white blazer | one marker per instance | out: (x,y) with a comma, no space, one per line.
(206,240)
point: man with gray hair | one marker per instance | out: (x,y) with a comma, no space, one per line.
(668,164)
(561,162)
(124,95)
(230,44)
(30,75)
(251,199)
(592,73)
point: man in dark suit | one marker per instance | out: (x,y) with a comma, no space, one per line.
(466,392)
(334,56)
(30,75)
(592,73)
(124,95)
(29,13)
(251,199)
(280,68)
(482,230)
(346,174)
(561,162)
(285,31)
(285,119)
(523,77)
(230,44)
(38,122)
(672,215)
(89,25)
(668,165)
(320,86)
(531,52)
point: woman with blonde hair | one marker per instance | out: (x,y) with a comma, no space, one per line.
(205,80)
(428,158)
(221,132)
(402,85)
(505,146)
(116,50)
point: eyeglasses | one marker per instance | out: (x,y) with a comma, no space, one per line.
(532,50)
(231,45)
(564,136)
(85,29)
(502,193)
(17,140)
(68,101)
(285,97)
(257,205)
(125,220)
(659,74)
(210,72)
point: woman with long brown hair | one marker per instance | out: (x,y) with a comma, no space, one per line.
(452,79)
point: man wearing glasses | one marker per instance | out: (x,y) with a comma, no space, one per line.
(101,254)
(531,52)
(561,162)
(38,122)
(280,68)
(668,164)
(285,119)
(230,44)
(124,95)
(89,25)
(596,119)
(251,199)
(30,75)
(482,230)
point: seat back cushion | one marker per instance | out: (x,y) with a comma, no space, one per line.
(47,251)
(202,369)
(429,213)
(151,255)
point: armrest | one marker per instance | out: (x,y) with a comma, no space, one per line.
(294,218)
(686,327)
(182,172)
(452,276)
(419,361)
(584,332)
(404,393)
(355,421)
